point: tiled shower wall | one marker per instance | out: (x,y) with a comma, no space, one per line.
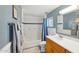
(32,33)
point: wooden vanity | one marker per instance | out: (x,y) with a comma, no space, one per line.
(53,47)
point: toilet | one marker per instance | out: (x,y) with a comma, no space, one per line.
(42,46)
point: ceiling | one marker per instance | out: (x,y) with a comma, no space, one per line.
(38,10)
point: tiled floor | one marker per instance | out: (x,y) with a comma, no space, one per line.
(30,46)
(32,50)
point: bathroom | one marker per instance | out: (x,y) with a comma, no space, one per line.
(37,26)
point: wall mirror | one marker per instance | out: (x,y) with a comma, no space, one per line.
(70,20)
(50,22)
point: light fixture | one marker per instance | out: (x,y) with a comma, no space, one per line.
(77,21)
(69,9)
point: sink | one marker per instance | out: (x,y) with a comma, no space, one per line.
(58,37)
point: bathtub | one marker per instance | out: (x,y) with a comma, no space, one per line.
(6,48)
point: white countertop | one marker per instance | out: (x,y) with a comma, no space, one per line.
(68,44)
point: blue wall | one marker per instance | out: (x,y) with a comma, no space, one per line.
(69,21)
(68,18)
(5,18)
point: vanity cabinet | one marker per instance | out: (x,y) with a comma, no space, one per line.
(52,47)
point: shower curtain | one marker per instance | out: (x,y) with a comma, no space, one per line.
(44,29)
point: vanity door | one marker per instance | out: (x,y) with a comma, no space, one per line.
(52,47)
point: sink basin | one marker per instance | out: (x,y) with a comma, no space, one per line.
(58,37)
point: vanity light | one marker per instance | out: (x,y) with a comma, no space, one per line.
(77,21)
(69,9)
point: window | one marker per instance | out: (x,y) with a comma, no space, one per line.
(50,22)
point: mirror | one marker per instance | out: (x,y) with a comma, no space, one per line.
(70,23)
